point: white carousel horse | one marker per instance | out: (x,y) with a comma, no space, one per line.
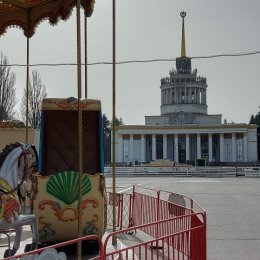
(17,164)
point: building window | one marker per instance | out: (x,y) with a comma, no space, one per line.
(173,97)
(192,97)
(182,97)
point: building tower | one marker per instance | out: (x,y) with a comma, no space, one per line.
(183,93)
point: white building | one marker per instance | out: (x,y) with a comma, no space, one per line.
(184,132)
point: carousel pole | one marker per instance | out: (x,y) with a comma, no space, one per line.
(86,53)
(27,89)
(80,137)
(27,98)
(114,241)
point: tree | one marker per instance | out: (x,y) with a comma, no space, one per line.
(36,93)
(119,121)
(107,142)
(252,120)
(7,90)
(255,119)
(107,126)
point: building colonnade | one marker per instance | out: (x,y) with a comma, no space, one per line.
(219,147)
(177,95)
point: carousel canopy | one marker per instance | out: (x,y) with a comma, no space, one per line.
(27,14)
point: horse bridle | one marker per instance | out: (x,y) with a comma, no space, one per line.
(26,170)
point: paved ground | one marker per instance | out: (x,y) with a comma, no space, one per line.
(232,205)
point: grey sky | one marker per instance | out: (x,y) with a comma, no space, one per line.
(151,29)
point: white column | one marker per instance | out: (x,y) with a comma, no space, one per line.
(143,153)
(153,147)
(120,148)
(198,146)
(164,146)
(221,147)
(187,147)
(210,147)
(176,148)
(245,147)
(234,148)
(131,148)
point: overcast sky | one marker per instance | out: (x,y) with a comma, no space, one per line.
(151,29)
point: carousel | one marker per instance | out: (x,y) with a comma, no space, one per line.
(67,186)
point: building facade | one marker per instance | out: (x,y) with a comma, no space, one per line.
(184,132)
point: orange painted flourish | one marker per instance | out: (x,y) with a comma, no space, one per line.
(10,207)
(12,125)
(70,104)
(67,213)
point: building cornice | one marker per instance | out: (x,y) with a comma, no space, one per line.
(184,127)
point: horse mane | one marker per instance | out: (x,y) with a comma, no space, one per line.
(8,148)
(36,153)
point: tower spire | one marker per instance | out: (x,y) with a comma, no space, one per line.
(183,47)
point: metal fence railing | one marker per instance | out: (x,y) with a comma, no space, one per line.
(185,171)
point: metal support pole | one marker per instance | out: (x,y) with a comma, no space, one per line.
(114,241)
(27,89)
(80,138)
(86,54)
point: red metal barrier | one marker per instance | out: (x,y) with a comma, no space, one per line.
(148,212)
(168,244)
(123,210)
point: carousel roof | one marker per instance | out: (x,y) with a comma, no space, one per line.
(27,14)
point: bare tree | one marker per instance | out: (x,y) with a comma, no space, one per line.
(7,90)
(36,93)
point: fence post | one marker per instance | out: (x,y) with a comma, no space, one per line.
(120,209)
(158,213)
(204,238)
(130,220)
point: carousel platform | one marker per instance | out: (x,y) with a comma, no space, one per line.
(71,253)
